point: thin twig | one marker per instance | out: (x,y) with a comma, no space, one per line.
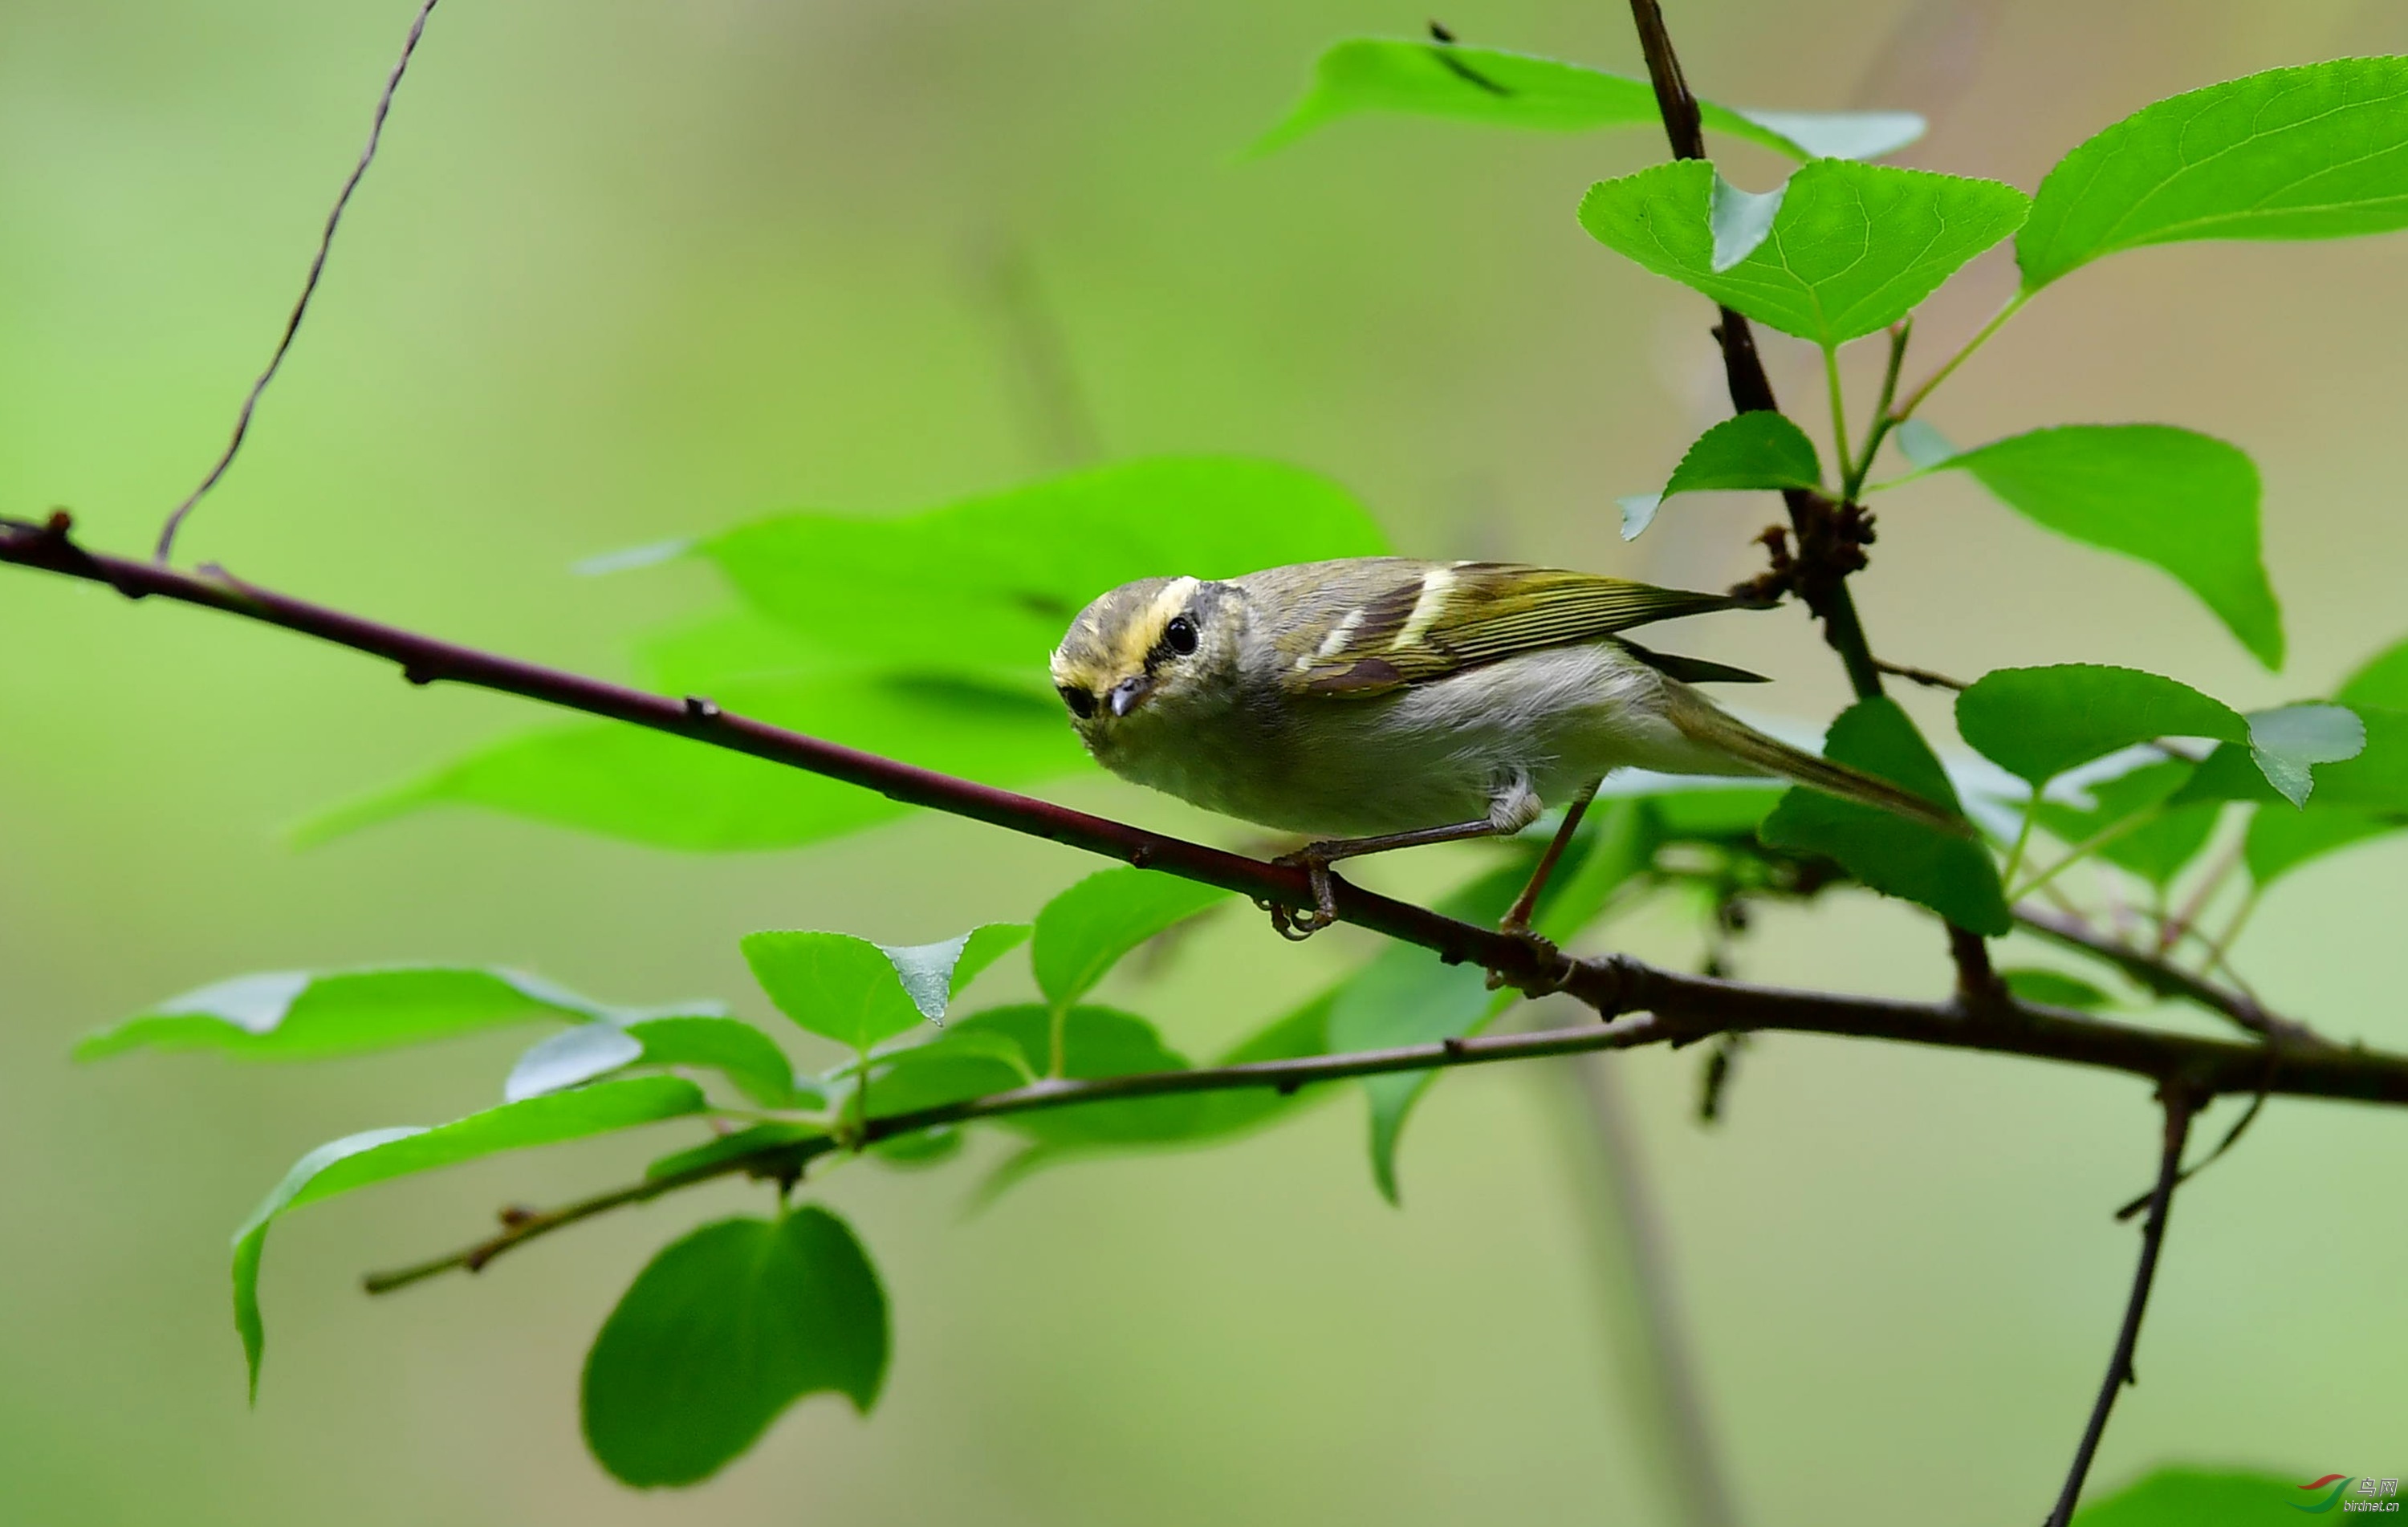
(309,287)
(2232,1137)
(1824,589)
(1924,676)
(2168,980)
(2179,1102)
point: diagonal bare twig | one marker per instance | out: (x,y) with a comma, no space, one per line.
(2180,1103)
(309,288)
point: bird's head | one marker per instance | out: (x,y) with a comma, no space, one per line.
(1148,653)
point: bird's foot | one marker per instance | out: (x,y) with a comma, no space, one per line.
(1558,965)
(1292,923)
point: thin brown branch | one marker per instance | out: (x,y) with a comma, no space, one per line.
(1924,676)
(2180,1103)
(309,287)
(1669,1009)
(2168,980)
(1824,548)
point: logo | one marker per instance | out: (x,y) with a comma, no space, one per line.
(2363,1493)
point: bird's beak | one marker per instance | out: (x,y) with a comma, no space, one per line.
(1129,693)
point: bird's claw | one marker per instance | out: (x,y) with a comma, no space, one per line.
(1544,954)
(1294,925)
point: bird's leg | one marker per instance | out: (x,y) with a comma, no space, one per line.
(1316,858)
(1514,807)
(1517,916)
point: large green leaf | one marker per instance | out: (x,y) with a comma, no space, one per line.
(2280,841)
(2382,682)
(1086,930)
(2193,1497)
(2318,151)
(1493,86)
(992,583)
(649,786)
(1405,997)
(1759,449)
(378,1155)
(2038,723)
(723,1331)
(835,985)
(1853,249)
(2183,501)
(739,1052)
(1898,857)
(303,1015)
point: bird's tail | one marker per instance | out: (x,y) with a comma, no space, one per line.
(1709,725)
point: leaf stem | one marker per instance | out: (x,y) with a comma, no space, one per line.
(1905,411)
(2088,847)
(2023,839)
(1877,431)
(1839,418)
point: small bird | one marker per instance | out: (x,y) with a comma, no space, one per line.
(1387,702)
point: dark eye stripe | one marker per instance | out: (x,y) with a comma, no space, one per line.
(1081,703)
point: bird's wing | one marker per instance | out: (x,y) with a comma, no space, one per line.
(1439,618)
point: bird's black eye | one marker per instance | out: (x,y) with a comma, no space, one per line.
(1081,703)
(1180,634)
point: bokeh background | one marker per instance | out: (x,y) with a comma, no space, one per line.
(632,270)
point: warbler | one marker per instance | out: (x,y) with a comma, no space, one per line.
(1381,702)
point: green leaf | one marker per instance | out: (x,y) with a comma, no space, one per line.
(737,1050)
(2288,741)
(1502,89)
(933,975)
(1405,997)
(2281,841)
(2038,723)
(721,1148)
(2375,779)
(965,1062)
(1952,875)
(735,644)
(1854,247)
(721,1333)
(2191,1497)
(1759,449)
(1096,1042)
(992,583)
(378,1155)
(2185,502)
(1617,842)
(1716,814)
(2055,989)
(2383,682)
(1086,930)
(649,787)
(2320,151)
(306,1016)
(835,985)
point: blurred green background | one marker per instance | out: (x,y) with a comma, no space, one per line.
(636,270)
